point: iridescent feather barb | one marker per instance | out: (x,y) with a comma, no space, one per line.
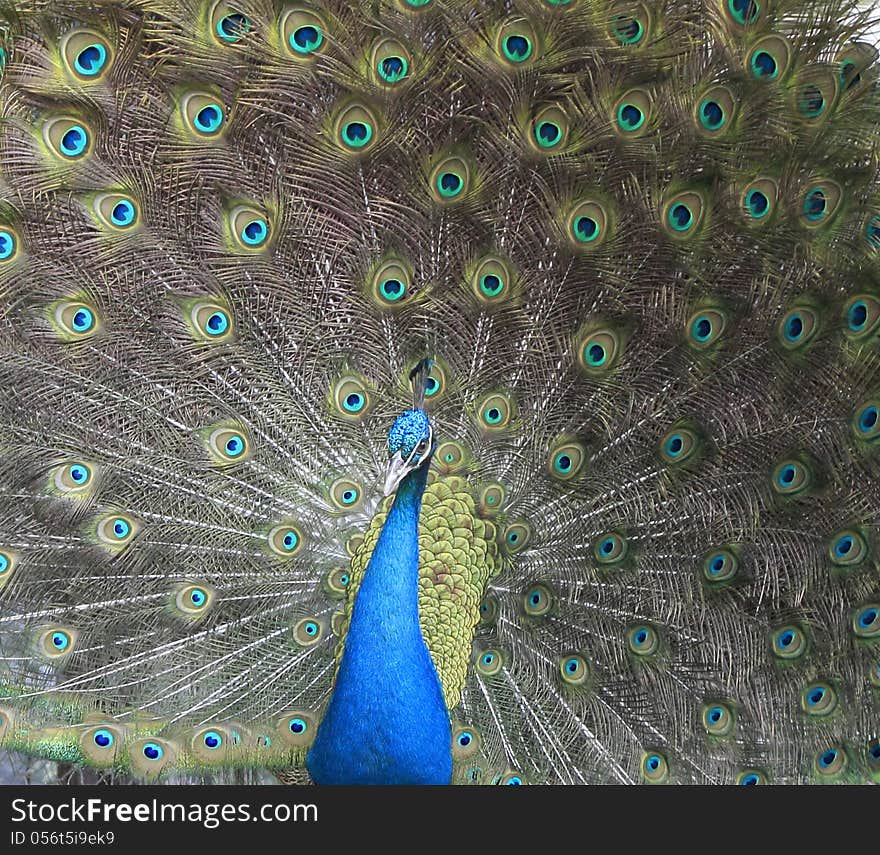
(640,243)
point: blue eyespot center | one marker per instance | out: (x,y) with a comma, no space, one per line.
(354,402)
(628,31)
(744,11)
(653,763)
(212,739)
(306,39)
(586,228)
(208,119)
(858,315)
(815,696)
(74,141)
(815,205)
(217,323)
(297,725)
(749,780)
(630,117)
(517,48)
(121,528)
(764,65)
(715,715)
(152,751)
(4,563)
(449,183)
(392,68)
(103,738)
(794,327)
(828,758)
(674,445)
(233,27)
(79,473)
(255,232)
(392,289)
(234,446)
(868,418)
(491,285)
(596,354)
(7,245)
(757,203)
(198,597)
(786,639)
(548,134)
(357,134)
(712,114)
(868,617)
(60,640)
(123,213)
(90,60)
(83,320)
(787,474)
(680,217)
(843,546)
(811,101)
(464,739)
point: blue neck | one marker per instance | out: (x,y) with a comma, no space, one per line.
(387,721)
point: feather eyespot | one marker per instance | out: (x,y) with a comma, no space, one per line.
(68,138)
(228,24)
(86,54)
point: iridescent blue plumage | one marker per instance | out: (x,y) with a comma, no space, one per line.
(387,721)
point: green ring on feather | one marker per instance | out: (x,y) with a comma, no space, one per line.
(764,65)
(757,204)
(744,13)
(416,4)
(516,47)
(789,642)
(630,117)
(232,27)
(815,205)
(449,184)
(819,699)
(712,115)
(680,217)
(548,134)
(628,31)
(811,101)
(392,289)
(491,284)
(392,69)
(356,134)
(586,229)
(306,39)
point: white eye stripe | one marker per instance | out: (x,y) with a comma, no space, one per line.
(422,447)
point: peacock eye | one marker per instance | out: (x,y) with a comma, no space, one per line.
(422,447)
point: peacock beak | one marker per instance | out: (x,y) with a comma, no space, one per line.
(397,470)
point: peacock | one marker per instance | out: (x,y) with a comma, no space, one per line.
(440,391)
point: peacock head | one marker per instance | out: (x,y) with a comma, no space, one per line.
(410,445)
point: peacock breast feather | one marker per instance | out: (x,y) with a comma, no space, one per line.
(458,554)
